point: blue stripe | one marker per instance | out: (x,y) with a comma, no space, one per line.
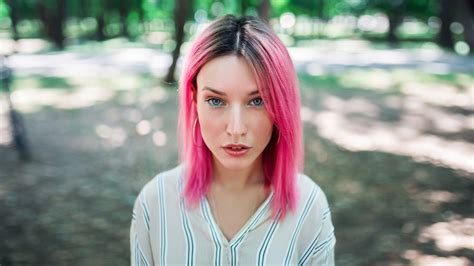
(143,258)
(240,238)
(307,252)
(146,214)
(139,257)
(327,256)
(214,233)
(326,213)
(318,248)
(312,249)
(301,219)
(163,239)
(189,236)
(268,237)
(136,250)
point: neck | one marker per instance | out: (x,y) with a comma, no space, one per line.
(238,179)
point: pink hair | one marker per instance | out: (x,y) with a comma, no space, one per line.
(278,85)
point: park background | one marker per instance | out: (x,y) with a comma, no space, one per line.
(387,93)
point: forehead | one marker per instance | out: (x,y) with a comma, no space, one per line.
(230,74)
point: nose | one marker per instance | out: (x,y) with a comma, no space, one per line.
(236,127)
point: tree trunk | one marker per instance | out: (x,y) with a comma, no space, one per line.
(123,13)
(13,18)
(141,17)
(53,22)
(83,9)
(57,24)
(43,16)
(100,34)
(264,10)
(394,20)
(180,15)
(465,16)
(317,27)
(99,14)
(320,10)
(445,38)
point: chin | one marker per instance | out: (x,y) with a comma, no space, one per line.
(234,164)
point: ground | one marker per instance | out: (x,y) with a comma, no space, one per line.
(388,136)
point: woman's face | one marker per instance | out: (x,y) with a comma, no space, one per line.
(231,112)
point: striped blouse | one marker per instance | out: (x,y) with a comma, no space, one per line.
(163,232)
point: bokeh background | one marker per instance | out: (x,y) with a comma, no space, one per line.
(88,115)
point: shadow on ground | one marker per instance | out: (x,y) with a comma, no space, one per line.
(72,204)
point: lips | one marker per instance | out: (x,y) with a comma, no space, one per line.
(236,149)
(236,146)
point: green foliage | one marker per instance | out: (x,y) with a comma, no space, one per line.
(165,9)
(230,6)
(334,7)
(141,16)
(279,6)
(150,9)
(4,9)
(422,9)
(203,4)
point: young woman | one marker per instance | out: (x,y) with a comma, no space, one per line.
(237,197)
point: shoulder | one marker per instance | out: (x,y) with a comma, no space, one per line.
(164,181)
(317,232)
(312,198)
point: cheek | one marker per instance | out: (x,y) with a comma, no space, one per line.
(263,125)
(209,125)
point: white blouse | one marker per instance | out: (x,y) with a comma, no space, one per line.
(163,232)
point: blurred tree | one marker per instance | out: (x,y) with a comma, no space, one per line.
(180,15)
(18,10)
(244,5)
(96,9)
(53,16)
(396,11)
(132,18)
(461,11)
(123,11)
(13,18)
(445,38)
(320,9)
(465,16)
(100,34)
(311,9)
(264,10)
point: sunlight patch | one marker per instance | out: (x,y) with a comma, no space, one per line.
(159,138)
(418,258)
(113,136)
(450,236)
(408,136)
(31,100)
(440,94)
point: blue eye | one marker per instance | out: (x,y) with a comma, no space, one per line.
(257,102)
(215,102)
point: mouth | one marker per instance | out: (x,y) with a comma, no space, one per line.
(236,146)
(236,149)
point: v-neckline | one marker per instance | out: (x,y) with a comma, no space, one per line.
(248,225)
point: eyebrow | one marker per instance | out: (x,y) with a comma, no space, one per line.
(222,93)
